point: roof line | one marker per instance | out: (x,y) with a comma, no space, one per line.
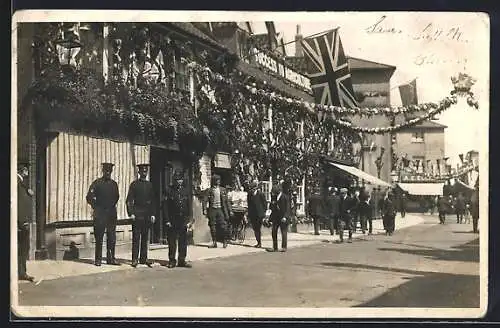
(370,61)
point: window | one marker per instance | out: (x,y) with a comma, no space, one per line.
(300,134)
(300,198)
(417,137)
(331,142)
(266,189)
(182,80)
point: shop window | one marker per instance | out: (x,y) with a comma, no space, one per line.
(417,137)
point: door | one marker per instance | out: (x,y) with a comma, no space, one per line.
(164,178)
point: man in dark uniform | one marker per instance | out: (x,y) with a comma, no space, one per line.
(102,196)
(217,208)
(345,211)
(24,203)
(280,217)
(389,210)
(257,206)
(332,210)
(315,209)
(178,221)
(140,209)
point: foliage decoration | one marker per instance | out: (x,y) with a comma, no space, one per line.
(81,100)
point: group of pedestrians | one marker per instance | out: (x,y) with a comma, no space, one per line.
(343,210)
(462,207)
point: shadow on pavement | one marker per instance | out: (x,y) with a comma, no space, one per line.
(468,252)
(432,290)
(428,289)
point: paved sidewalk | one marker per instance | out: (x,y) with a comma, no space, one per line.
(50,269)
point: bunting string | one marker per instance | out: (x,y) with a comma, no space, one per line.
(329,113)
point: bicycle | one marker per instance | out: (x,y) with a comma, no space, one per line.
(238,227)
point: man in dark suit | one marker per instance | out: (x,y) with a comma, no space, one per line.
(257,206)
(442,205)
(364,209)
(474,209)
(280,217)
(218,210)
(345,214)
(178,221)
(332,209)
(315,209)
(389,211)
(460,207)
(102,196)
(24,218)
(403,202)
(140,209)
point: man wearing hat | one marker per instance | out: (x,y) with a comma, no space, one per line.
(217,208)
(178,221)
(257,206)
(280,216)
(102,196)
(332,209)
(140,208)
(315,206)
(345,214)
(24,217)
(389,214)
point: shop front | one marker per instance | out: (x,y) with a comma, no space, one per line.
(118,93)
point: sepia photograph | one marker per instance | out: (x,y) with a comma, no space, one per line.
(222,164)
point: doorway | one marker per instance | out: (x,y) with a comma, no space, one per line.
(164,164)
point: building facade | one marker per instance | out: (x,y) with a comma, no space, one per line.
(70,120)
(423,147)
(371,85)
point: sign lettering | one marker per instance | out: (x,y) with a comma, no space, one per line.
(265,61)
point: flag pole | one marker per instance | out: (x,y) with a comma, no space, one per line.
(290,42)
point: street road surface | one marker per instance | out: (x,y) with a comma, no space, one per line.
(428,265)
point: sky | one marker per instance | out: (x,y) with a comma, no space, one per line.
(430,47)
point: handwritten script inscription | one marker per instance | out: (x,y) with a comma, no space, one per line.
(433,59)
(381,27)
(428,33)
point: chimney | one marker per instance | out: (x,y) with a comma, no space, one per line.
(298,45)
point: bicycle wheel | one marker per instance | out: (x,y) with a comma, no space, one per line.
(242,232)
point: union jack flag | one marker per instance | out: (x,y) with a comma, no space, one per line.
(328,70)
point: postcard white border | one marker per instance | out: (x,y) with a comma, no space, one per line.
(25,16)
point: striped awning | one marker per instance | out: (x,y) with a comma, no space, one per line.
(423,189)
(368,178)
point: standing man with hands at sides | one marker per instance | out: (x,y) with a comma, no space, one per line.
(280,216)
(257,206)
(178,221)
(24,197)
(140,209)
(217,208)
(102,196)
(345,215)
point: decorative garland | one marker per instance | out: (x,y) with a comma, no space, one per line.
(332,112)
(78,99)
